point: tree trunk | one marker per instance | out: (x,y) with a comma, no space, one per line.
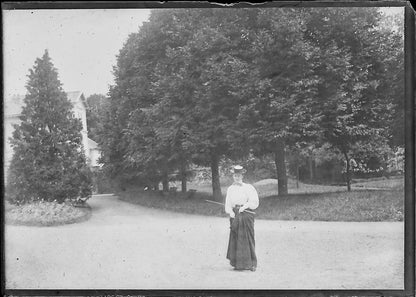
(311,168)
(216,187)
(385,167)
(348,172)
(183,177)
(165,183)
(279,159)
(297,174)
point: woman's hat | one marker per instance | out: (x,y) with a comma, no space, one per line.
(238,169)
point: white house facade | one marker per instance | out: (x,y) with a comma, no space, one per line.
(94,153)
(80,111)
(13,108)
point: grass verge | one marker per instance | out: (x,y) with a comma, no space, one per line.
(45,214)
(357,205)
(176,202)
(268,187)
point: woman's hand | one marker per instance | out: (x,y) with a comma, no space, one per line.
(232,215)
(242,209)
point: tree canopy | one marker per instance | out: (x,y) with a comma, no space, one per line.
(199,85)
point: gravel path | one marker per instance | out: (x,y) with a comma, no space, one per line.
(125,246)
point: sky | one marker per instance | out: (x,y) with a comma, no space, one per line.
(82,43)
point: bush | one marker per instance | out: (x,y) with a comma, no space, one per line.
(48,183)
(102,184)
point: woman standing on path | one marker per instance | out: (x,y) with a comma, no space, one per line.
(240,202)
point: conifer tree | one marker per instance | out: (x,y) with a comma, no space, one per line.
(48,162)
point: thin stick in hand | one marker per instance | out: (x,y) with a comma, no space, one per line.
(215,202)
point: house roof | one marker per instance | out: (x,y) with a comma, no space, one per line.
(92,144)
(13,105)
(76,96)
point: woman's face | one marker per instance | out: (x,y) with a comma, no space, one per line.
(238,177)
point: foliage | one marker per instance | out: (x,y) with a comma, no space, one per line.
(258,168)
(102,183)
(280,87)
(96,104)
(48,162)
(391,88)
(185,109)
(353,62)
(198,86)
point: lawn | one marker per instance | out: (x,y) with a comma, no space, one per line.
(306,202)
(268,187)
(381,183)
(365,205)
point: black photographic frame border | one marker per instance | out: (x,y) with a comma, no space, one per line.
(409,112)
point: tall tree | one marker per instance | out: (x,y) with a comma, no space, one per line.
(199,85)
(171,93)
(281,86)
(48,161)
(129,93)
(351,67)
(217,73)
(391,84)
(135,139)
(174,52)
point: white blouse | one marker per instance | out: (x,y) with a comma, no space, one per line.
(244,194)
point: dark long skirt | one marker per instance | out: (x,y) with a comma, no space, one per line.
(241,245)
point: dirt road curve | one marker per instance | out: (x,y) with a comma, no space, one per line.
(125,246)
